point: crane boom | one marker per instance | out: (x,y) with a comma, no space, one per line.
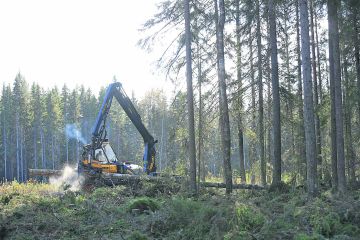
(99,130)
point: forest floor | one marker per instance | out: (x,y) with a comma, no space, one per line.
(165,211)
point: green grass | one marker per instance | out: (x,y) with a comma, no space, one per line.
(38,211)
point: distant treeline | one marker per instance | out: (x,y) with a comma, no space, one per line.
(47,128)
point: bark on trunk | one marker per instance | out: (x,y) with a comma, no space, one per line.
(223,103)
(350,153)
(301,138)
(316,93)
(5,147)
(190,100)
(261,98)
(240,97)
(356,43)
(309,123)
(334,47)
(201,165)
(276,96)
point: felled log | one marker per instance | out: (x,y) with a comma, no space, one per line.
(122,179)
(235,186)
(44,172)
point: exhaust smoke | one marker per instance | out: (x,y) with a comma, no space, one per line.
(69,180)
(72,132)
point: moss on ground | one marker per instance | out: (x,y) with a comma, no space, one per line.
(38,211)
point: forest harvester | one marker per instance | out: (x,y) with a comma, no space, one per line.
(98,157)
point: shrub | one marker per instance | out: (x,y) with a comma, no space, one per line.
(327,225)
(248,219)
(143,203)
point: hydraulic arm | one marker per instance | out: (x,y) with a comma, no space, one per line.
(99,131)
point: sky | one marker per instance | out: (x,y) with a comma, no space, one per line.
(78,42)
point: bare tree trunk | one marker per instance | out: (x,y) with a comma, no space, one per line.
(223,102)
(334,47)
(309,123)
(356,43)
(67,150)
(261,97)
(333,122)
(316,93)
(240,95)
(21,154)
(17,148)
(318,58)
(42,141)
(201,165)
(276,96)
(252,148)
(35,147)
(190,100)
(269,150)
(289,105)
(301,143)
(269,96)
(5,147)
(350,153)
(52,152)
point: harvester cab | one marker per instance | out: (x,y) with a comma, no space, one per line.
(105,161)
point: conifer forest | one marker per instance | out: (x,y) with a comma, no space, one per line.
(256,139)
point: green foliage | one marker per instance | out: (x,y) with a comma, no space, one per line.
(248,218)
(33,211)
(327,225)
(280,187)
(303,236)
(143,204)
(137,236)
(184,218)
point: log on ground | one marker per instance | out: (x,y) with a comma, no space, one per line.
(44,172)
(235,186)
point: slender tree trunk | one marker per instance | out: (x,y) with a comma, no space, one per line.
(309,123)
(240,96)
(67,149)
(269,150)
(162,142)
(350,153)
(21,154)
(334,36)
(25,162)
(17,149)
(276,96)
(202,172)
(301,138)
(318,58)
(316,93)
(11,163)
(356,43)
(261,97)
(288,79)
(223,102)
(52,152)
(35,147)
(333,121)
(5,147)
(42,142)
(269,96)
(190,100)
(252,149)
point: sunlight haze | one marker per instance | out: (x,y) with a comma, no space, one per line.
(78,42)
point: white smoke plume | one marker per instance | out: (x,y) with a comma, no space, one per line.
(69,180)
(72,132)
